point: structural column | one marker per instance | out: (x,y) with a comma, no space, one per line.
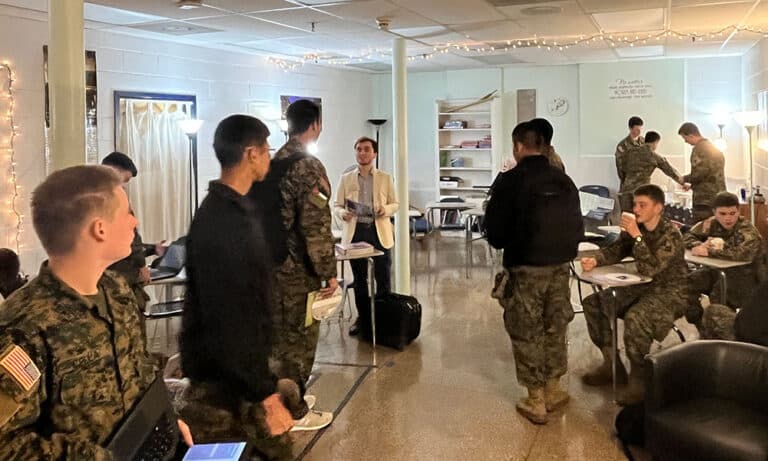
(66,83)
(400,145)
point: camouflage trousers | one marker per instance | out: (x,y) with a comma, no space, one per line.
(718,323)
(740,280)
(537,310)
(647,316)
(212,417)
(626,201)
(293,344)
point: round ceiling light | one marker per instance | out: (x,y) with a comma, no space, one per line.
(541,10)
(189,4)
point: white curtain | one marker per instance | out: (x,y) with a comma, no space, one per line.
(150,135)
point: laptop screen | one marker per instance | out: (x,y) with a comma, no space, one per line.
(174,257)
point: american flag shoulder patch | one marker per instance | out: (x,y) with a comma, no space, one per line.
(20,367)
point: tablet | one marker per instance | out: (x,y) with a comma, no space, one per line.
(216,452)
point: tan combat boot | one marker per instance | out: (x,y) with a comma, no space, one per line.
(554,396)
(533,406)
(635,390)
(602,375)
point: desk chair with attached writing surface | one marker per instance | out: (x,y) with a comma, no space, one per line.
(598,215)
(451,219)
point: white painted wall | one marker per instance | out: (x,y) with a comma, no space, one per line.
(223,82)
(695,89)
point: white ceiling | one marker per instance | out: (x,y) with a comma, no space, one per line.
(292,29)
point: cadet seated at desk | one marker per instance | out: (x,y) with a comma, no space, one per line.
(726,235)
(648,310)
(73,361)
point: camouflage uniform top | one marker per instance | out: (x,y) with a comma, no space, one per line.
(636,164)
(628,143)
(92,364)
(742,243)
(660,254)
(129,266)
(554,159)
(306,191)
(707,176)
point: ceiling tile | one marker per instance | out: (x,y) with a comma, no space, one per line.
(116,16)
(631,21)
(453,11)
(174,28)
(707,18)
(605,6)
(304,19)
(251,26)
(165,8)
(490,31)
(366,12)
(640,51)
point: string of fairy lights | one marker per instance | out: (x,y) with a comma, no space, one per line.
(509,46)
(9,145)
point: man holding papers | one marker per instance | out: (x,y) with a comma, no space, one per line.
(366,201)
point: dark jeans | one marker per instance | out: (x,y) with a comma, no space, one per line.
(381,270)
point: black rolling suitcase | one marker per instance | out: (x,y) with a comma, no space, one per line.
(398,321)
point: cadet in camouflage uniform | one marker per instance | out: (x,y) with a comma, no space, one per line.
(546,131)
(306,213)
(72,357)
(707,177)
(134,267)
(634,139)
(648,310)
(534,287)
(741,242)
(635,166)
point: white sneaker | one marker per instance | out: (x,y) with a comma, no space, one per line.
(313,421)
(310,400)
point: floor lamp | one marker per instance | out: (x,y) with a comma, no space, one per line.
(377,122)
(190,127)
(750,120)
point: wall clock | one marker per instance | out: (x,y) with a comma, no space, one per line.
(557,106)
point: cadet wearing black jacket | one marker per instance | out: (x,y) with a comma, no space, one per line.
(226,325)
(535,216)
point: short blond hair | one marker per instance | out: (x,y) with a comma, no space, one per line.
(67,198)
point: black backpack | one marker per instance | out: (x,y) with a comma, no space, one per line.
(553,225)
(269,201)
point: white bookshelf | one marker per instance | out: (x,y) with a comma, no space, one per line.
(476,166)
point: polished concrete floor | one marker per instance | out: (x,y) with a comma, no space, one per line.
(451,394)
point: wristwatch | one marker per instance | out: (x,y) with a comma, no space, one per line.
(638,239)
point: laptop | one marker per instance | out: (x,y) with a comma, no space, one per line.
(150,432)
(171,263)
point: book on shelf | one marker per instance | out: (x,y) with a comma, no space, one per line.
(354,249)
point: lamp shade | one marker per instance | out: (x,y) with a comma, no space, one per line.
(190,126)
(748,119)
(720,144)
(721,117)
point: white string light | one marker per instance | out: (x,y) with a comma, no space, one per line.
(508,46)
(10,79)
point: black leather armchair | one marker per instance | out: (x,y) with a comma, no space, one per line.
(708,400)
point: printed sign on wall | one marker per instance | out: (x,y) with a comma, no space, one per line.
(630,89)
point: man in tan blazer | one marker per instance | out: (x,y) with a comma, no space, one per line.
(375,190)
